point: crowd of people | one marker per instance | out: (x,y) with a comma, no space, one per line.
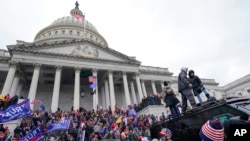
(121,124)
(92,125)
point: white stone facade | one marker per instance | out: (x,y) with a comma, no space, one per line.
(55,69)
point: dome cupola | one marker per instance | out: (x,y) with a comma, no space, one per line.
(70,27)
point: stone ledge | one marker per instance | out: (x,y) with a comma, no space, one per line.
(153,109)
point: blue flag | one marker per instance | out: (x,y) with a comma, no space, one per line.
(64,124)
(16,111)
(132,112)
(42,107)
(36,134)
(93,85)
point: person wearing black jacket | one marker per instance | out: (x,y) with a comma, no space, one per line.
(198,87)
(171,101)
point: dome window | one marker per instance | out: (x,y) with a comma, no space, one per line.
(70,32)
(63,32)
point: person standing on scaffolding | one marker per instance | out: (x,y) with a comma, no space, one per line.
(198,87)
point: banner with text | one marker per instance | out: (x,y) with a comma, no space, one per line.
(36,134)
(64,124)
(16,111)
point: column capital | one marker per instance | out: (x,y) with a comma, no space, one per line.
(13,64)
(94,70)
(124,72)
(110,71)
(137,73)
(77,69)
(58,67)
(37,66)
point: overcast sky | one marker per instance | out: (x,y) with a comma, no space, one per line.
(209,36)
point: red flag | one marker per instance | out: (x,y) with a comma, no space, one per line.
(92,79)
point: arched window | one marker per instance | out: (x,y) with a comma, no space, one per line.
(56,32)
(70,32)
(78,33)
(63,32)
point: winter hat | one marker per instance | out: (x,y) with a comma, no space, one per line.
(212,130)
(185,69)
(165,131)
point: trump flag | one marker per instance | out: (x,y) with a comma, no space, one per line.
(15,112)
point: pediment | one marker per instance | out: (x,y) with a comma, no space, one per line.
(83,50)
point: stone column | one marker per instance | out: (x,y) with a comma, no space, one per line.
(19,89)
(77,89)
(107,93)
(112,91)
(15,85)
(139,86)
(133,92)
(143,88)
(153,86)
(126,91)
(95,96)
(9,78)
(104,105)
(56,90)
(162,85)
(33,85)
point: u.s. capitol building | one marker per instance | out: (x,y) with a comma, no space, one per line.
(56,66)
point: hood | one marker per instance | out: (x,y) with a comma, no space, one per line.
(191,73)
(185,69)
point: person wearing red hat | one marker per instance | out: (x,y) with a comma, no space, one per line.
(212,130)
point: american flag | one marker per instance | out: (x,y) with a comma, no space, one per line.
(92,79)
(78,16)
(35,102)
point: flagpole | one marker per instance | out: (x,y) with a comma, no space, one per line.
(84,25)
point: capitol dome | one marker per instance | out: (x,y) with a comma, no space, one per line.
(70,27)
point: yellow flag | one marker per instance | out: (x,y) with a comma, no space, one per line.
(119,120)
